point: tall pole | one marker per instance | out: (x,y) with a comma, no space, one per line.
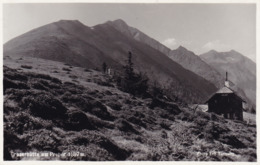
(226,76)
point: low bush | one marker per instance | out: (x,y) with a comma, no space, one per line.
(117,152)
(78,121)
(12,142)
(231,140)
(73,76)
(38,85)
(137,121)
(103,83)
(66,69)
(213,130)
(115,106)
(87,70)
(67,64)
(50,84)
(14,84)
(43,140)
(44,105)
(18,94)
(165,125)
(13,74)
(73,88)
(100,110)
(125,126)
(186,116)
(44,76)
(200,121)
(171,107)
(26,66)
(21,122)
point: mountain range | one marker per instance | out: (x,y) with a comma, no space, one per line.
(192,78)
(76,44)
(203,65)
(181,55)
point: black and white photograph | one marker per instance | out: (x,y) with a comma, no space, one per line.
(129,81)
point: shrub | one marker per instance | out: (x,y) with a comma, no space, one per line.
(43,140)
(186,116)
(100,110)
(67,64)
(14,84)
(199,121)
(231,140)
(13,74)
(38,85)
(21,122)
(117,152)
(17,94)
(87,70)
(78,121)
(73,88)
(80,101)
(137,121)
(12,142)
(26,66)
(169,106)
(202,114)
(73,76)
(44,105)
(214,130)
(115,106)
(80,140)
(166,115)
(44,76)
(165,125)
(66,69)
(125,126)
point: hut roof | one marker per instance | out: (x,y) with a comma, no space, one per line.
(225,90)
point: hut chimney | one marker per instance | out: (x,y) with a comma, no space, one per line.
(227,82)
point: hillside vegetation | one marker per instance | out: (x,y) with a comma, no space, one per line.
(52,107)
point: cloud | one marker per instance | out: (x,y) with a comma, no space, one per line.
(216,45)
(170,43)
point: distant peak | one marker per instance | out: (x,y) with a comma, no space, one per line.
(119,21)
(182,48)
(233,51)
(212,51)
(76,21)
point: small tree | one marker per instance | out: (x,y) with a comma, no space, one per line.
(133,83)
(104,67)
(129,68)
(156,90)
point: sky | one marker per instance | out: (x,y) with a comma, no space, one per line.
(198,27)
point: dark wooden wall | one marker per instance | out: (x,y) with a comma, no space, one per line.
(228,105)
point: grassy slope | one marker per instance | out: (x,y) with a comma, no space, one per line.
(50,106)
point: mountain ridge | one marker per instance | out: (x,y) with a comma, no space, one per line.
(91,46)
(209,73)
